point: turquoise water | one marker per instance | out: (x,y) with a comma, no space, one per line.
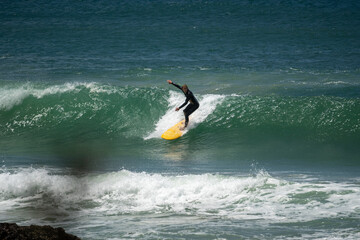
(272,152)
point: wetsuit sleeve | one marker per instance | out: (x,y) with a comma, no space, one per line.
(186,101)
(177,86)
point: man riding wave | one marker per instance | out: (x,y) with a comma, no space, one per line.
(193,105)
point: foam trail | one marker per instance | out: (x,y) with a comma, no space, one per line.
(207,102)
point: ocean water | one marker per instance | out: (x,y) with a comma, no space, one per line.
(272,152)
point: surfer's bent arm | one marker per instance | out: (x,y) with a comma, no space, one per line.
(187,98)
(186,101)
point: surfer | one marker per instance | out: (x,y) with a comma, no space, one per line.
(194,104)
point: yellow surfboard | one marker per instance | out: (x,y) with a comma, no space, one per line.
(174,132)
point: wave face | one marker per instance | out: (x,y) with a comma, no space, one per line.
(129,117)
(101,110)
(320,118)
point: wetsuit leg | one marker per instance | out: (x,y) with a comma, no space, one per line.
(186,119)
(188,111)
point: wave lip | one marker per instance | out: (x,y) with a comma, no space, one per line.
(10,97)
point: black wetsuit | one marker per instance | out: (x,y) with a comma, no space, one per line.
(194,104)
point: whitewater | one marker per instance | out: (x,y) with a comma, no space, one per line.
(261,199)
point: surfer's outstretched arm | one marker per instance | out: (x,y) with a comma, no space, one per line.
(171,82)
(177,86)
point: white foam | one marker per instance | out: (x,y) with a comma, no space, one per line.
(337,83)
(207,102)
(261,197)
(10,97)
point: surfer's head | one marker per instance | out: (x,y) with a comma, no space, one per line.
(184,88)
